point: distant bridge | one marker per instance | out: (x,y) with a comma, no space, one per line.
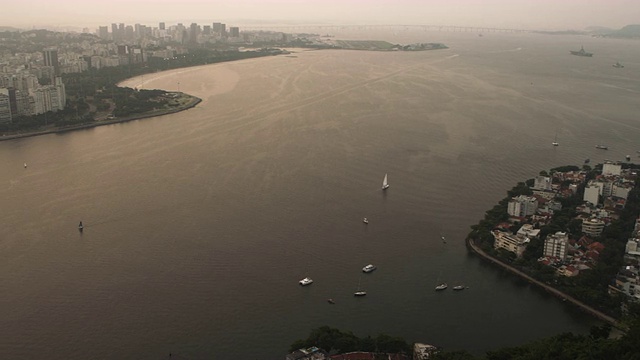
(329,28)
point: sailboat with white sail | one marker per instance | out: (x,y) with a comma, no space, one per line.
(555,141)
(385,183)
(358,291)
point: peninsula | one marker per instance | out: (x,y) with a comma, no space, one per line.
(573,232)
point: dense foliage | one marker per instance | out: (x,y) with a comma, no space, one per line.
(597,345)
(335,340)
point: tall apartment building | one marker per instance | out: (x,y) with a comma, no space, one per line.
(556,245)
(50,56)
(194,30)
(592,193)
(522,206)
(103,32)
(5,108)
(50,98)
(114,32)
(161,26)
(234,31)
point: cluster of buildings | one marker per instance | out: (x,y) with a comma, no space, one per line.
(21,91)
(193,34)
(569,254)
(30,81)
(628,278)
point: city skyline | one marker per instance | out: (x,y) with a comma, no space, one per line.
(525,14)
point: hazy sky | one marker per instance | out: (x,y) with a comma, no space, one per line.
(528,14)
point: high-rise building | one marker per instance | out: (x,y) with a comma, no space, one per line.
(193,33)
(522,206)
(114,32)
(206,30)
(161,26)
(5,108)
(234,31)
(217,27)
(129,33)
(103,32)
(556,245)
(50,56)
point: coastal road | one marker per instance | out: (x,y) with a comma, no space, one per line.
(600,315)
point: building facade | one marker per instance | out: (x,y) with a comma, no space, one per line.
(593,227)
(556,245)
(522,206)
(512,243)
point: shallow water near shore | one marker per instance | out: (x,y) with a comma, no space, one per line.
(199,225)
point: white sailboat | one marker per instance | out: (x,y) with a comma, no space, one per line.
(385,183)
(555,141)
(359,292)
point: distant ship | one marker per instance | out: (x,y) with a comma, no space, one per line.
(581,52)
(618,65)
(602,147)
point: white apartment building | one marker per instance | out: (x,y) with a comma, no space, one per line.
(609,168)
(621,190)
(542,183)
(593,191)
(513,243)
(556,245)
(522,206)
(592,227)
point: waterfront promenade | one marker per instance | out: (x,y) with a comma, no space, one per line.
(598,314)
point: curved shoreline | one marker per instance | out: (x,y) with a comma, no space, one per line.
(565,297)
(192,103)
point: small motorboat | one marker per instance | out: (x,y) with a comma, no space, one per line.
(25,165)
(330,301)
(441,287)
(365,221)
(458,287)
(369,268)
(80,227)
(628,157)
(360,293)
(305,281)
(602,147)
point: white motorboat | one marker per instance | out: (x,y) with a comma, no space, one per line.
(305,281)
(441,287)
(365,221)
(458,287)
(369,268)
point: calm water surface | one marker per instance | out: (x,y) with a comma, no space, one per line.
(198,225)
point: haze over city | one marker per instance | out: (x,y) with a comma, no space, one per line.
(525,14)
